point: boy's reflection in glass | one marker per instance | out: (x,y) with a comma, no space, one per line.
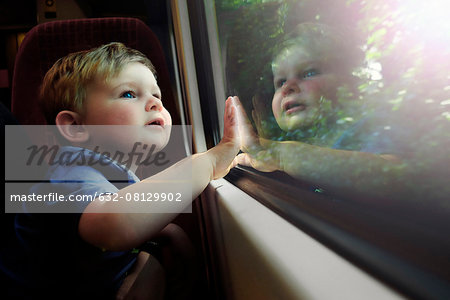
(306,77)
(362,158)
(314,99)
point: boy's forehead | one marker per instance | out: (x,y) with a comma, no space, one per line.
(293,54)
(297,55)
(134,71)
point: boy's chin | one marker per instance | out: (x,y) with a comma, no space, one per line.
(297,124)
(157,147)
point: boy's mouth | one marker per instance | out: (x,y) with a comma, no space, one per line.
(156,122)
(290,107)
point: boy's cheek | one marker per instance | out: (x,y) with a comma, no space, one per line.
(317,84)
(325,86)
(167,117)
(276,104)
(330,85)
(122,117)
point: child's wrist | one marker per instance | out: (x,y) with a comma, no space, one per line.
(210,157)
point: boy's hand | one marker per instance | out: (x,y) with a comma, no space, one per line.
(225,152)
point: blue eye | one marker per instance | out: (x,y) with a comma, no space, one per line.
(128,94)
(311,73)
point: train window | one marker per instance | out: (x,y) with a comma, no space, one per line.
(349,105)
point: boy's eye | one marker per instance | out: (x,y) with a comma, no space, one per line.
(128,94)
(311,73)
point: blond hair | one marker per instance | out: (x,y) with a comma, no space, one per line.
(65,84)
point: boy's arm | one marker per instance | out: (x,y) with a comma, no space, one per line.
(123,231)
(350,173)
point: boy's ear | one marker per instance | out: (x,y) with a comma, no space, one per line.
(69,124)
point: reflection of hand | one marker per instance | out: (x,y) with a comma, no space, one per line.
(259,116)
(230,132)
(226,150)
(248,138)
(258,150)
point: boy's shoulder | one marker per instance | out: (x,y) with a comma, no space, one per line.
(376,133)
(79,175)
(83,165)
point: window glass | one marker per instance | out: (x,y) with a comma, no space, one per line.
(350,97)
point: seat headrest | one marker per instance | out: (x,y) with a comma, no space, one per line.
(46,43)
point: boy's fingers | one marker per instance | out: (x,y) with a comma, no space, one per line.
(228,106)
(232,115)
(242,115)
(230,121)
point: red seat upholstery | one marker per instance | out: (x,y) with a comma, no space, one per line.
(47,42)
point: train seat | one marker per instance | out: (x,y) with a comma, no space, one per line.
(47,42)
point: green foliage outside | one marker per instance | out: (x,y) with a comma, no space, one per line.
(401,80)
(402,74)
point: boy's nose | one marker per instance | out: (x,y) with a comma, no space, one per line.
(153,103)
(291,86)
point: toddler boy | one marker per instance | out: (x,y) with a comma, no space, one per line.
(90,254)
